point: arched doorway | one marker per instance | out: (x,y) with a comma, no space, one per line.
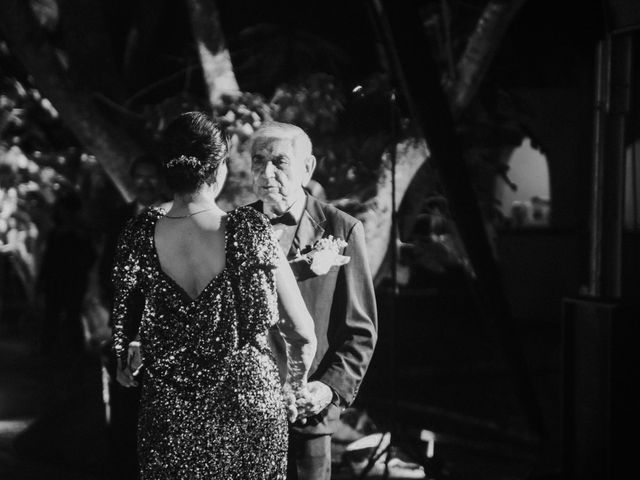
(527,202)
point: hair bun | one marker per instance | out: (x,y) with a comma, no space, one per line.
(194,148)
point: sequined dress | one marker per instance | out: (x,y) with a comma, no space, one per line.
(211,405)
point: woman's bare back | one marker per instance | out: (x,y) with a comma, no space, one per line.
(192,250)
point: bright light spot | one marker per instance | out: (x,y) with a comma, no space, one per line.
(632,187)
(530,204)
(13,427)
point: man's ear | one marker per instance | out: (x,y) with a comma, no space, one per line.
(309,168)
(221,177)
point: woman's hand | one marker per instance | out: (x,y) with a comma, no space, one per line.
(124,376)
(134,358)
(126,373)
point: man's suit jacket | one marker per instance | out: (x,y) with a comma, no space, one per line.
(341,303)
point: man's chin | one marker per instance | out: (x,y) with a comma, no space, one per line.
(270,197)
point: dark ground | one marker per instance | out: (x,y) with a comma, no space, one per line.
(51,421)
(450,376)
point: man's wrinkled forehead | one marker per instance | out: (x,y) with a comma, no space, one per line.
(299,143)
(269,143)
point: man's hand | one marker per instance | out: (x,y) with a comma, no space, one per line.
(124,375)
(319,396)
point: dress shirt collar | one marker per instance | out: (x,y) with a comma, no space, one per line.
(296,209)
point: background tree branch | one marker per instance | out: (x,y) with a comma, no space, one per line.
(410,154)
(215,58)
(86,42)
(481,47)
(140,43)
(111,146)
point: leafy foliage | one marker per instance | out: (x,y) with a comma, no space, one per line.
(351,132)
(39,161)
(349,151)
(268,55)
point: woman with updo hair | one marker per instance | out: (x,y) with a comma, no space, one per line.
(212,404)
(196,150)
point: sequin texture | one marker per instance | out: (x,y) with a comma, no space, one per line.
(211,404)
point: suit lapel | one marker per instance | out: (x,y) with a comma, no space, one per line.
(257,205)
(310,228)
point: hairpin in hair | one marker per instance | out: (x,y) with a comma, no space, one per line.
(184,160)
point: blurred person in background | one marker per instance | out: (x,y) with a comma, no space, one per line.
(145,172)
(68,256)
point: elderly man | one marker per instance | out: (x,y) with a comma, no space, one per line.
(338,290)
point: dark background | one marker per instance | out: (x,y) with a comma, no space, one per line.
(439,365)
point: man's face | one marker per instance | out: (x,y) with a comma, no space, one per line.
(278,171)
(146,183)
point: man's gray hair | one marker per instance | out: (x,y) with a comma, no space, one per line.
(287,131)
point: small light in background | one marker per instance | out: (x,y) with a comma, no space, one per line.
(429,438)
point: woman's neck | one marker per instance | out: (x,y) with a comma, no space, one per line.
(193,202)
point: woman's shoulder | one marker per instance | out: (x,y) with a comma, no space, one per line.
(247,219)
(251,237)
(142,224)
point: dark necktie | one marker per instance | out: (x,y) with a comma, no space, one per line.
(286,218)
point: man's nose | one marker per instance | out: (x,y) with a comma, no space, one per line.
(269,170)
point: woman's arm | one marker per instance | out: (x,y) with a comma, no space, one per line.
(125,278)
(296,325)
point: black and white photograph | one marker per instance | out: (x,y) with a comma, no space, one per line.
(319,240)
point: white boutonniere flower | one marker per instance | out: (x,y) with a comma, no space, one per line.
(325,254)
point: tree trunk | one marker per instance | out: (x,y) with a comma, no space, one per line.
(86,40)
(140,50)
(480,50)
(438,125)
(111,146)
(214,55)
(411,154)
(471,68)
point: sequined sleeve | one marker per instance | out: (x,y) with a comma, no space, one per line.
(254,251)
(126,278)
(256,244)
